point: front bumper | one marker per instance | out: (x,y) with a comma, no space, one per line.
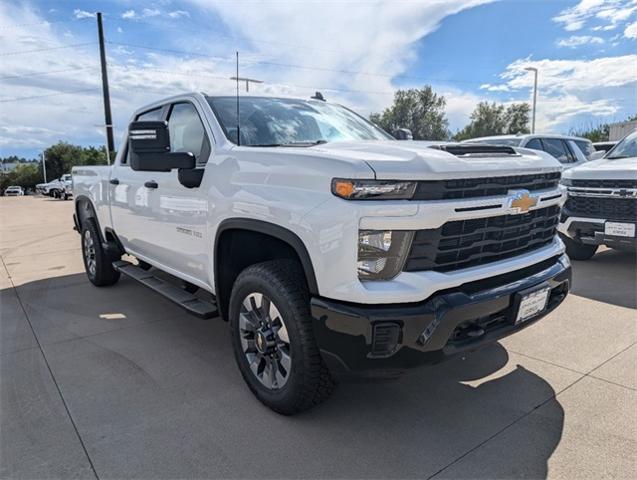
(590,231)
(382,341)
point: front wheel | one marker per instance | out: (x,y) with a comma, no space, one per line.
(97,262)
(272,338)
(578,251)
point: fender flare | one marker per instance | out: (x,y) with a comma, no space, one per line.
(275,231)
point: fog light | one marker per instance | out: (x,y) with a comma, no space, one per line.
(382,253)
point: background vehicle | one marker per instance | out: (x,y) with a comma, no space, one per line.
(569,151)
(13,191)
(602,202)
(59,188)
(333,250)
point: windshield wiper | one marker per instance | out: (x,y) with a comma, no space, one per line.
(304,143)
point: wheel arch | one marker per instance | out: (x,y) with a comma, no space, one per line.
(267,236)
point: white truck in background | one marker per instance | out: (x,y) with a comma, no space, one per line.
(601,208)
(59,188)
(333,250)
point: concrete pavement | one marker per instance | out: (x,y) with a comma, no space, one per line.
(119,383)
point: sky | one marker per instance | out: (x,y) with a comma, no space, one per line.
(356,53)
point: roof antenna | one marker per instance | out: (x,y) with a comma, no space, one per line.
(238,127)
(318,96)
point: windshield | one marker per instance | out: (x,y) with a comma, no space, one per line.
(508,142)
(624,149)
(278,121)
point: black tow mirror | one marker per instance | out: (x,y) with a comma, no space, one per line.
(149,145)
(403,134)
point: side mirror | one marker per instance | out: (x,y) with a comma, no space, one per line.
(598,154)
(149,146)
(403,134)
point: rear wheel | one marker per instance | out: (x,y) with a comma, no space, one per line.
(97,262)
(272,337)
(577,250)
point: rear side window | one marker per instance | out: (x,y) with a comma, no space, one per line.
(535,144)
(187,133)
(558,149)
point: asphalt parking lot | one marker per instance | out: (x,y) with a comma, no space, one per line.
(119,383)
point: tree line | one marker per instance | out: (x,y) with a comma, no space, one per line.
(60,158)
(422,111)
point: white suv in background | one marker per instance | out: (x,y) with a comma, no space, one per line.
(570,151)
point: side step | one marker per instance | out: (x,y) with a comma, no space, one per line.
(186,300)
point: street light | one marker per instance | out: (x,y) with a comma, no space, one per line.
(247,80)
(534,70)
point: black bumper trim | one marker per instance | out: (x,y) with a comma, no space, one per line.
(592,233)
(448,323)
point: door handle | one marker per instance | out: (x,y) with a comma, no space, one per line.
(151,184)
(114,181)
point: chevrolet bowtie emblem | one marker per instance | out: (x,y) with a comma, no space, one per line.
(521,201)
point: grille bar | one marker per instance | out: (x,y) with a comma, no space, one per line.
(631,183)
(483,187)
(467,243)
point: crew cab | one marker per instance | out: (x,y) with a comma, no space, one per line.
(333,250)
(601,208)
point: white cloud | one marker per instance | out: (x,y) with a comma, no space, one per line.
(128,14)
(178,13)
(569,88)
(631,30)
(83,13)
(150,12)
(608,12)
(578,40)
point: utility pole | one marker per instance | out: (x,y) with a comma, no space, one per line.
(44,165)
(534,70)
(110,144)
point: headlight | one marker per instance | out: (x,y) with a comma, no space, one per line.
(382,253)
(373,189)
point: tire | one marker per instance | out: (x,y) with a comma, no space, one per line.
(97,263)
(578,251)
(302,379)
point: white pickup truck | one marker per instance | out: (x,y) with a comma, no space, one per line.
(602,202)
(333,250)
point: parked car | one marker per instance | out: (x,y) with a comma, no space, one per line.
(603,146)
(14,191)
(59,188)
(570,151)
(333,250)
(602,202)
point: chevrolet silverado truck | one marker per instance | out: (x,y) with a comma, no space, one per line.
(333,250)
(601,208)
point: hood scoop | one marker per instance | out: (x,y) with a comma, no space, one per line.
(476,149)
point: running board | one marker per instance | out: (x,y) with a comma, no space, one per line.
(188,301)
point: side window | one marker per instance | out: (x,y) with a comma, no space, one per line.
(558,149)
(187,133)
(535,144)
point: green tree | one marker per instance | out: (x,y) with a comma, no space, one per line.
(496,119)
(26,175)
(420,110)
(63,156)
(595,133)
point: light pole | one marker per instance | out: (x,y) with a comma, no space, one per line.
(44,166)
(534,70)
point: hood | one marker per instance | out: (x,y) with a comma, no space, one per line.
(618,169)
(407,160)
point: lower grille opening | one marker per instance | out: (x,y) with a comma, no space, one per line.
(603,207)
(385,339)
